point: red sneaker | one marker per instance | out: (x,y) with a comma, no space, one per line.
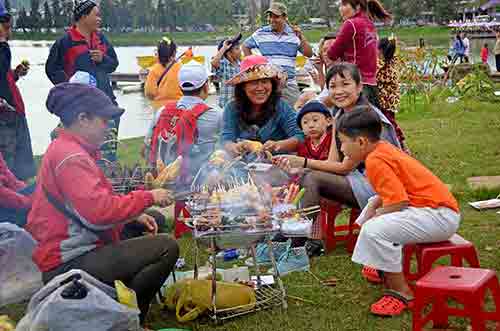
(371,275)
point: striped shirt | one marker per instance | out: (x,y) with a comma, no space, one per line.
(279,48)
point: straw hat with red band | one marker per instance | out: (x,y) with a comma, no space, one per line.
(255,67)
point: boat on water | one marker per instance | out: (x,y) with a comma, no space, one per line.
(303,78)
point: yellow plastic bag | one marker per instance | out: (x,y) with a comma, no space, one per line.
(6,324)
(190,298)
(126,296)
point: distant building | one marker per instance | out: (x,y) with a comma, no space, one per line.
(492,8)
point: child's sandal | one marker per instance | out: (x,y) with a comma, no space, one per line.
(372,275)
(391,304)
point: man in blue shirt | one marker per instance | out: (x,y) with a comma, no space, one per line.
(280,42)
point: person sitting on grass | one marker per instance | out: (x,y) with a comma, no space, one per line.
(77,219)
(411,206)
(315,120)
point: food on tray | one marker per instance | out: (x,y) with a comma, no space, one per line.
(253,146)
(148,181)
(258,166)
(160,165)
(218,158)
(169,173)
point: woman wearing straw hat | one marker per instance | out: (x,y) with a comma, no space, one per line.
(258,113)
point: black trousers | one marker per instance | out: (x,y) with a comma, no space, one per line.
(143,264)
(497,60)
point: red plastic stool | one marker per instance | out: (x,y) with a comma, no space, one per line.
(465,285)
(179,227)
(331,233)
(457,247)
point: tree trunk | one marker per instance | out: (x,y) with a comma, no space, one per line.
(264,5)
(252,13)
(324,9)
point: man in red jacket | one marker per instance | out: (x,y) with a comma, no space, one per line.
(76,218)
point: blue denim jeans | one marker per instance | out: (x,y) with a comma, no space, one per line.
(15,145)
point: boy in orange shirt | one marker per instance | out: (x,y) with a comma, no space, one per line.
(412,206)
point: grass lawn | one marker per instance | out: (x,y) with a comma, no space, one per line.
(410,36)
(455,144)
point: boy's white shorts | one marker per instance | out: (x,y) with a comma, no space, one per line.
(381,239)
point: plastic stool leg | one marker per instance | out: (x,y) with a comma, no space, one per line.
(495,292)
(472,259)
(439,313)
(328,222)
(418,308)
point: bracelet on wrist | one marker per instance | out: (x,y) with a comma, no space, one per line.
(305,162)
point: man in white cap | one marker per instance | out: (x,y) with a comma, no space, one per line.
(279,43)
(206,126)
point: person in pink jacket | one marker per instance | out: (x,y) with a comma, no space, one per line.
(357,41)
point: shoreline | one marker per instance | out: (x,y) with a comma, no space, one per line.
(432,35)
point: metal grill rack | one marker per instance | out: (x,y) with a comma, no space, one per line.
(232,237)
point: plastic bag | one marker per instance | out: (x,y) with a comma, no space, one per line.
(296,228)
(77,301)
(191,298)
(6,323)
(126,296)
(19,276)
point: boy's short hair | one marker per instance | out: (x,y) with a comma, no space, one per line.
(312,106)
(362,121)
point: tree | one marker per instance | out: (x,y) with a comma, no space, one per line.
(264,5)
(58,19)
(22,20)
(108,14)
(48,19)
(67,12)
(35,20)
(252,12)
(161,15)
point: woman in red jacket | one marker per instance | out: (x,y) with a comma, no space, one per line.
(77,219)
(357,41)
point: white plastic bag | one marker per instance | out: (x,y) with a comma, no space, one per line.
(96,310)
(296,228)
(19,276)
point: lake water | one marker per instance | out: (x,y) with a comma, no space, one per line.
(35,87)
